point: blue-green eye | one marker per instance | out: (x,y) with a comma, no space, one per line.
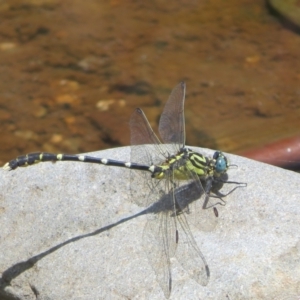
(221,162)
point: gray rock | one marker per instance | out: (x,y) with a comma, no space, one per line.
(70,231)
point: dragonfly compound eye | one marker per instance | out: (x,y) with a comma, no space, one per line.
(221,164)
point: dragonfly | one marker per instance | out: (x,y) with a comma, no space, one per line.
(170,178)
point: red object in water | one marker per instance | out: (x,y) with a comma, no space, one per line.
(283,153)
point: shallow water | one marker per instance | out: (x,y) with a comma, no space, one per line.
(72,72)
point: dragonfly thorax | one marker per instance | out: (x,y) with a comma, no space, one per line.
(181,166)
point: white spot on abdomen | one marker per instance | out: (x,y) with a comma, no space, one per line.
(59,157)
(151,169)
(104,161)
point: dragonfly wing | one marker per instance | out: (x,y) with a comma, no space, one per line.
(159,241)
(146,147)
(189,255)
(171,123)
(156,246)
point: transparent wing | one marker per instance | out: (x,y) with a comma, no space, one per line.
(142,135)
(168,199)
(159,241)
(141,131)
(146,149)
(189,255)
(166,222)
(171,123)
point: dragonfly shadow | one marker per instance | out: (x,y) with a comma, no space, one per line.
(184,195)
(15,270)
(187,194)
(163,205)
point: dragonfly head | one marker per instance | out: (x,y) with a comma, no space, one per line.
(221,163)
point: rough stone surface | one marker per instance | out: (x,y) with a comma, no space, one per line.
(55,243)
